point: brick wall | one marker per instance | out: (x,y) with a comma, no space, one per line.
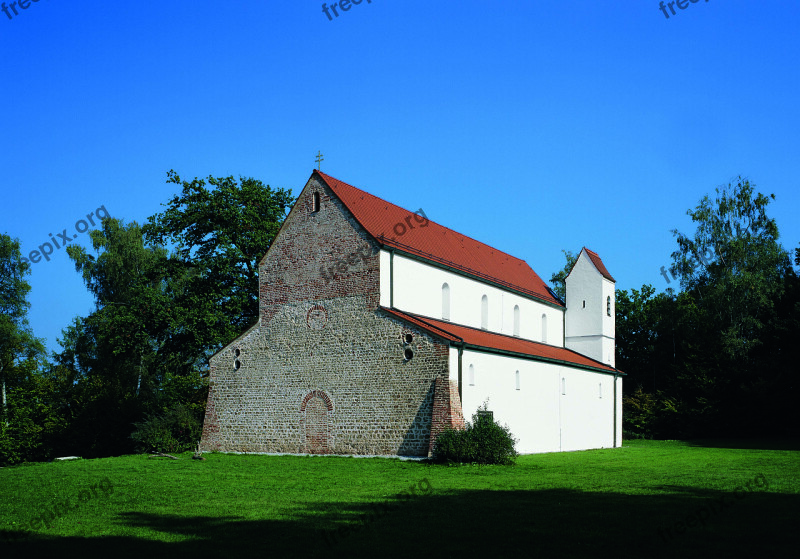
(324,371)
(446,412)
(311,242)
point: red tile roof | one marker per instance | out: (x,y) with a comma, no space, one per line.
(490,340)
(599,264)
(396,227)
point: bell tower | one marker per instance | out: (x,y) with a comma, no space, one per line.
(590,322)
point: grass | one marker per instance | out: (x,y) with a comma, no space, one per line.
(626,502)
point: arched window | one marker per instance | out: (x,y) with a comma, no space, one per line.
(608,305)
(471,375)
(516,379)
(315,202)
(544,328)
(445,302)
(485,312)
(516,320)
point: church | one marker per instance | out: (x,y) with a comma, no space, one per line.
(379,328)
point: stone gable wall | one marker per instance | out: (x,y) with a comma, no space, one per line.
(319,256)
(325,369)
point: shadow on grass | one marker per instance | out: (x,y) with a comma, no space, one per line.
(547,523)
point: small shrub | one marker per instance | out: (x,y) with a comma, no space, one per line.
(482,442)
(451,446)
(176,430)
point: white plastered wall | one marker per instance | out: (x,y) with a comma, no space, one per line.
(609,324)
(538,414)
(418,290)
(453,363)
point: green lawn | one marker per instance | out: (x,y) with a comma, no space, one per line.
(647,499)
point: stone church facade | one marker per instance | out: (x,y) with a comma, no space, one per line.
(374,324)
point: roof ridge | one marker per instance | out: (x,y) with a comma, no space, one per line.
(325,175)
(599,265)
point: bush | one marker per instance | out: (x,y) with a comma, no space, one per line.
(452,446)
(482,442)
(176,430)
(20,441)
(639,414)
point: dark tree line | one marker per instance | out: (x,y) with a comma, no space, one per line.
(713,359)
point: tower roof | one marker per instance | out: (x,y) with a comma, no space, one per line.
(391,226)
(598,263)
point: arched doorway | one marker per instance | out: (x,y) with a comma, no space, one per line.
(314,416)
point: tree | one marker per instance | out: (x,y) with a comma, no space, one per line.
(646,337)
(143,353)
(221,235)
(559,278)
(19,349)
(729,309)
(739,287)
(21,357)
(716,358)
(133,355)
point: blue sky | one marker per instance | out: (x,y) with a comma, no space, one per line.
(531,126)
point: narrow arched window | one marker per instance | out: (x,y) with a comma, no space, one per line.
(516,379)
(315,202)
(516,320)
(544,328)
(484,312)
(608,305)
(471,375)
(445,302)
